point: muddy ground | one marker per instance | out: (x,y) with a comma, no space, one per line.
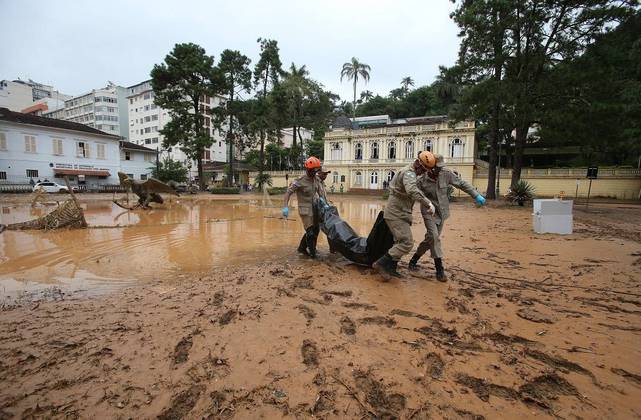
(528,326)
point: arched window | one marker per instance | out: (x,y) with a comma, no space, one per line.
(427,145)
(335,177)
(358,151)
(358,178)
(336,151)
(391,150)
(409,150)
(373,178)
(456,148)
(390,175)
(374,150)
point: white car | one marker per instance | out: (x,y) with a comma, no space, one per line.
(52,187)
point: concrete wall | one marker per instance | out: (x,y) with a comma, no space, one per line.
(615,183)
(140,163)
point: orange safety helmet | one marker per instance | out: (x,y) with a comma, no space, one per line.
(312,163)
(427,159)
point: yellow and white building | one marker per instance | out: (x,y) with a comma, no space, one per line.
(366,152)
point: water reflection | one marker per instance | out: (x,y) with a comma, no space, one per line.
(125,247)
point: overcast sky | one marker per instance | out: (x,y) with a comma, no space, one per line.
(78,45)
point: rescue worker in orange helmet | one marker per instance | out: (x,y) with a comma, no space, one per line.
(403,192)
(307,189)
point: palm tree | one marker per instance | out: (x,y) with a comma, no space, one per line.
(366,95)
(406,82)
(352,70)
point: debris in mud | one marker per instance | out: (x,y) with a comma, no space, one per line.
(342,293)
(453,304)
(324,402)
(279,272)
(181,351)
(628,375)
(304,282)
(449,412)
(483,389)
(378,320)
(546,388)
(534,316)
(357,305)
(347,326)
(558,362)
(500,338)
(218,298)
(208,369)
(409,314)
(310,353)
(227,317)
(434,365)
(307,312)
(386,405)
(182,403)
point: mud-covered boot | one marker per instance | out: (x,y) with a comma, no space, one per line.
(440,272)
(413,264)
(302,247)
(311,237)
(386,267)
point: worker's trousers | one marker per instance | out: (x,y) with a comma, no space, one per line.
(432,240)
(403,240)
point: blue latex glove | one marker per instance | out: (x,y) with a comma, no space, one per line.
(480,200)
(285,212)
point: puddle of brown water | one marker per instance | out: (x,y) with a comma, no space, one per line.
(123,247)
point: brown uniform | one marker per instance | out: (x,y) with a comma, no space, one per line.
(307,190)
(436,191)
(398,210)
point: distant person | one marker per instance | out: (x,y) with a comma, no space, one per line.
(341,188)
(307,189)
(434,184)
(398,213)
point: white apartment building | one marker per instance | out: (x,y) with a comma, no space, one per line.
(366,152)
(17,95)
(146,119)
(136,161)
(104,109)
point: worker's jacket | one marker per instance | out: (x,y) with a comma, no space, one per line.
(436,191)
(307,190)
(403,192)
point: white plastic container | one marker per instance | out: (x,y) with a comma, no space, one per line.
(552,216)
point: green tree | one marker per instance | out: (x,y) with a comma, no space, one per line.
(315,148)
(366,95)
(406,82)
(169,170)
(266,74)
(234,70)
(352,70)
(186,76)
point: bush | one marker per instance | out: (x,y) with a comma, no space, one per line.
(521,192)
(224,190)
(276,190)
(262,180)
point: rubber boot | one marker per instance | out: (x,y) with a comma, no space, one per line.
(302,247)
(413,264)
(440,272)
(311,236)
(386,267)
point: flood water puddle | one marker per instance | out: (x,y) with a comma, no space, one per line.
(122,248)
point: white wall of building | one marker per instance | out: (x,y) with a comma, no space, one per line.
(137,164)
(41,149)
(15,96)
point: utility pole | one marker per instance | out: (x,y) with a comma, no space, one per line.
(498,173)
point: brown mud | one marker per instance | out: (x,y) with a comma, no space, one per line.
(555,336)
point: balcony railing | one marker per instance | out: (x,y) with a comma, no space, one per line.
(566,173)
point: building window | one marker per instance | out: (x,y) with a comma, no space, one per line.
(373,178)
(82,149)
(342,178)
(335,177)
(3,175)
(30,144)
(130,176)
(143,177)
(390,175)
(154,117)
(131,101)
(57,147)
(358,151)
(154,140)
(374,150)
(100,151)
(456,148)
(3,141)
(127,155)
(409,150)
(32,173)
(336,151)
(391,150)
(206,155)
(147,118)
(358,178)
(427,146)
(149,157)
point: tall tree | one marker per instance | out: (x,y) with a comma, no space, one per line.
(267,71)
(236,75)
(352,70)
(366,95)
(406,82)
(179,83)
